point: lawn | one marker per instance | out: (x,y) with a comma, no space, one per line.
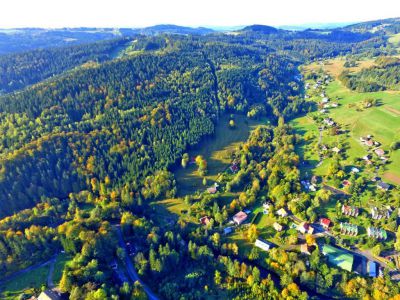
(62,259)
(217,151)
(24,283)
(395,39)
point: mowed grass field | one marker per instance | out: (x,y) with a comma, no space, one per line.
(217,151)
(381,121)
(24,283)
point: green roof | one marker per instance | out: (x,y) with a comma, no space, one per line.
(339,257)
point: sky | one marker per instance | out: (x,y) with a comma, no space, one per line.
(212,13)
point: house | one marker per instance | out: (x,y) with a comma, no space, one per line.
(266,208)
(323,111)
(228,230)
(305,227)
(348,229)
(383,186)
(336,149)
(325,223)
(325,100)
(314,179)
(334,104)
(366,157)
(329,122)
(234,168)
(355,170)
(304,248)
(378,214)
(278,227)
(282,213)
(262,244)
(212,190)
(377,233)
(350,210)
(205,220)
(346,183)
(51,295)
(240,217)
(338,257)
(369,143)
(372,268)
(379,152)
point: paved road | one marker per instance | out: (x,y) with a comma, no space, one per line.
(50,282)
(130,268)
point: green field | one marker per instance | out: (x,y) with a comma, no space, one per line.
(217,151)
(395,39)
(24,283)
(62,259)
(381,121)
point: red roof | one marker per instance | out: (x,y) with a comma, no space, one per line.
(204,220)
(325,222)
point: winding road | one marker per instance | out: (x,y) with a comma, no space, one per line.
(130,268)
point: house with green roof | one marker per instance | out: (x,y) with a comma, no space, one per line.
(338,257)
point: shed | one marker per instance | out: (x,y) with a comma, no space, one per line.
(262,244)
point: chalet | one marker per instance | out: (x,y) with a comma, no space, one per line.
(377,233)
(305,227)
(348,229)
(325,223)
(205,220)
(262,244)
(338,257)
(383,186)
(372,268)
(278,227)
(379,152)
(282,213)
(350,210)
(336,149)
(51,295)
(228,230)
(240,217)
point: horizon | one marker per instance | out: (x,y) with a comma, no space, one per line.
(100,14)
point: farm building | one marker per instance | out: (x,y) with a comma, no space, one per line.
(264,245)
(338,257)
(240,217)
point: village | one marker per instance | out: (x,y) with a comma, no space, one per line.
(350,234)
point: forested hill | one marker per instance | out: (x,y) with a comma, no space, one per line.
(97,146)
(25,68)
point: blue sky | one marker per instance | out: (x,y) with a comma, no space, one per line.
(134,13)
